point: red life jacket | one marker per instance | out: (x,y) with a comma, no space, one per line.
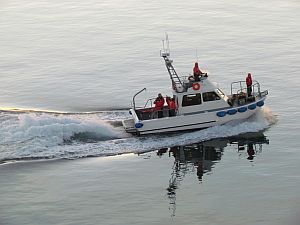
(249,81)
(159,104)
(196,69)
(171,104)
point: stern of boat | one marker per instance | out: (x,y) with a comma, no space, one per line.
(129,126)
(132,125)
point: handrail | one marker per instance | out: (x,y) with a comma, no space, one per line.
(241,85)
(237,82)
(133,99)
(150,99)
(253,89)
(151,102)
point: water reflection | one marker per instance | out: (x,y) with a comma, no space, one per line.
(200,158)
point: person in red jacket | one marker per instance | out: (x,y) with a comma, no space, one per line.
(249,85)
(159,104)
(171,106)
(197,72)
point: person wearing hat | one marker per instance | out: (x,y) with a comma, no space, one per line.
(249,85)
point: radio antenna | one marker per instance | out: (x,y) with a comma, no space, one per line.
(167,42)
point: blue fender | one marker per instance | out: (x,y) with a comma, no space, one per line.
(221,114)
(260,103)
(252,106)
(242,109)
(138,125)
(232,111)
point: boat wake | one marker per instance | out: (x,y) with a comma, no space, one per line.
(45,135)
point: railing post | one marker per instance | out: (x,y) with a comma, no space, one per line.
(133,99)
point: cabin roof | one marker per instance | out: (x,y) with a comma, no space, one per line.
(189,87)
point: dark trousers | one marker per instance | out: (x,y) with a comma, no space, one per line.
(172,112)
(160,114)
(196,77)
(249,91)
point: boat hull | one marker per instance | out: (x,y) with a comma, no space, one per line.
(197,120)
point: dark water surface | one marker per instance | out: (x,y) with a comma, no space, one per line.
(92,56)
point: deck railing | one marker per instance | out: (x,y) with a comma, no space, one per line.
(242,88)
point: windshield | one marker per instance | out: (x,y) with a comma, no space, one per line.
(221,93)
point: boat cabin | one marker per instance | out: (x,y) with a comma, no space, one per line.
(192,97)
(200,96)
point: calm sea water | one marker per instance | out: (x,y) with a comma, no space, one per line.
(93,56)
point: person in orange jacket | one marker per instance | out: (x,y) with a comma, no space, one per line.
(249,84)
(172,106)
(159,104)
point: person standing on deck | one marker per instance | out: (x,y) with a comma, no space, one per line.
(249,85)
(159,104)
(171,106)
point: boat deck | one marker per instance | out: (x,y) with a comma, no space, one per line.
(150,113)
(240,100)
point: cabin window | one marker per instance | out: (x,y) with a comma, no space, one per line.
(210,96)
(192,99)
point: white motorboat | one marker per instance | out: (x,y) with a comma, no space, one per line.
(199,104)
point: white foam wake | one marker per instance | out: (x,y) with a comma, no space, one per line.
(51,136)
(26,134)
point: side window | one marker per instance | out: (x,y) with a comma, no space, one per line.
(210,96)
(192,99)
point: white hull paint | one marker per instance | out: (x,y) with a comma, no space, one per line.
(189,122)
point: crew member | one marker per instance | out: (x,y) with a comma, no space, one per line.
(249,85)
(171,106)
(159,104)
(197,72)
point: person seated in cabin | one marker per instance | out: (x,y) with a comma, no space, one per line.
(159,104)
(171,106)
